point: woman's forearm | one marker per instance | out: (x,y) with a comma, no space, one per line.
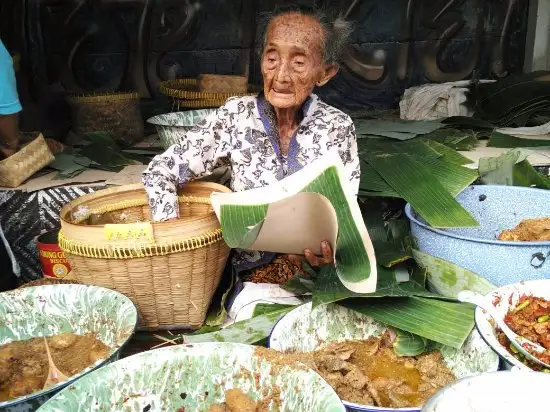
(9,133)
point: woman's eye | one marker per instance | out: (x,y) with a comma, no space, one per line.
(299,63)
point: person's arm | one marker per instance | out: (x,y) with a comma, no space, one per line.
(344,140)
(203,148)
(9,104)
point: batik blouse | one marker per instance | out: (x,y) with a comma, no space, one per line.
(243,135)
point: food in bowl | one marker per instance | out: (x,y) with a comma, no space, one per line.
(369,372)
(24,364)
(308,330)
(529,318)
(237,401)
(528,230)
(192,377)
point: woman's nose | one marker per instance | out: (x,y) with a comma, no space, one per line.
(283,74)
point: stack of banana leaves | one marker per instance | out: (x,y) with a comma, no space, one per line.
(97,151)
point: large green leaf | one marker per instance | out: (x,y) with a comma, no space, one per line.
(448,279)
(396,129)
(470,123)
(508,141)
(241,213)
(216,312)
(512,169)
(448,323)
(329,290)
(248,331)
(417,184)
(453,178)
(449,155)
(454,138)
(241,225)
(388,231)
(512,100)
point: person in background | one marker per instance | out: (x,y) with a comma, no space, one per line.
(9,141)
(9,105)
(267,137)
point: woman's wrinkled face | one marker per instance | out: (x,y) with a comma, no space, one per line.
(292,61)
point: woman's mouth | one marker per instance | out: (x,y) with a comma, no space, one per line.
(279,91)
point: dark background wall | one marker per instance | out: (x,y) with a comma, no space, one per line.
(82,46)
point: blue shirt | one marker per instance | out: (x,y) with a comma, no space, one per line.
(9,101)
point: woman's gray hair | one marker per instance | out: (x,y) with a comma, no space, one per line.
(337,32)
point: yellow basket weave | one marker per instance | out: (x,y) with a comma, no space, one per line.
(186,89)
(170,270)
(24,163)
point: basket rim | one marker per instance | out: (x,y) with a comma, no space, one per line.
(64,212)
(109,251)
(179,89)
(103,97)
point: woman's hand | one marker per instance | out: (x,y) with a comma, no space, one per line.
(312,259)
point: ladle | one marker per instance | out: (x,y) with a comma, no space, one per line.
(54,375)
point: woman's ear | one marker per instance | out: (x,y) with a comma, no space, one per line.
(329,72)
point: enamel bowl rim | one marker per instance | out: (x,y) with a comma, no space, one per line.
(484,327)
(410,212)
(192,347)
(74,378)
(501,373)
(157,119)
(356,406)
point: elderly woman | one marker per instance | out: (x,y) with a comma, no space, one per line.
(263,139)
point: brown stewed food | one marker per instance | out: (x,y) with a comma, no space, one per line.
(24,364)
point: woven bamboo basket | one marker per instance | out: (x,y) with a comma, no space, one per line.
(25,162)
(118,114)
(170,270)
(187,89)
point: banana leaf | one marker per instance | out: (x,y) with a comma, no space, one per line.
(265,308)
(454,178)
(454,138)
(508,141)
(69,165)
(417,184)
(396,129)
(328,290)
(216,312)
(250,331)
(470,123)
(448,323)
(388,231)
(242,215)
(511,169)
(409,344)
(447,279)
(416,147)
(371,181)
(514,97)
(448,154)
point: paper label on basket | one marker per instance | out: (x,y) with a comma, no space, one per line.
(138,232)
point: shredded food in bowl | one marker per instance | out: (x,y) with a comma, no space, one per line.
(530,318)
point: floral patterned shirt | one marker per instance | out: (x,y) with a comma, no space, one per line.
(243,135)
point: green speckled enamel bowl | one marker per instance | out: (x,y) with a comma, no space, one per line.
(54,309)
(304,330)
(193,376)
